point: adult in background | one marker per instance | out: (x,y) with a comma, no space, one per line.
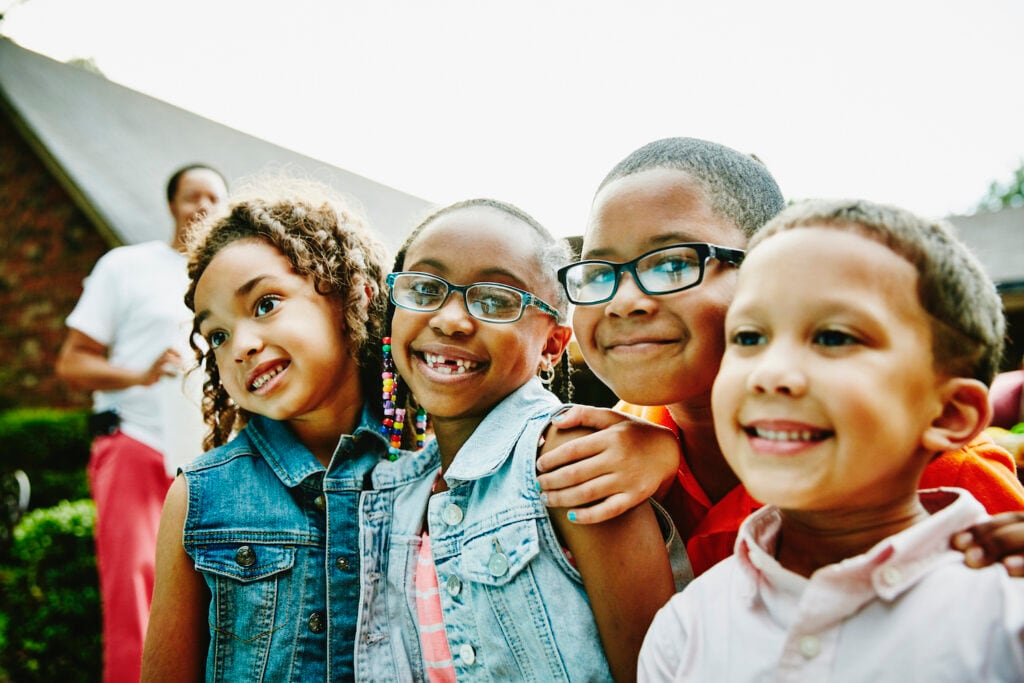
(127,340)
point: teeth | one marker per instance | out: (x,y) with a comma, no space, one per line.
(265,377)
(771,435)
(451,366)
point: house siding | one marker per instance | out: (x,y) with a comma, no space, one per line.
(47,247)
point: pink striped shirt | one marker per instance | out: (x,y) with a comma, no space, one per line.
(437,657)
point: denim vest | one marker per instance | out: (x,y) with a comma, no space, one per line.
(514,608)
(276,538)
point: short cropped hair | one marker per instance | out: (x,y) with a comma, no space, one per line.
(966,313)
(738,185)
(175,179)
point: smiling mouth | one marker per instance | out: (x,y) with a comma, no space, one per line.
(266,376)
(790,435)
(451,366)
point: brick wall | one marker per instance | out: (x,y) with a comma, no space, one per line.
(47,246)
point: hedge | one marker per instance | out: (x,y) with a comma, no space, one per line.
(52,447)
(50,626)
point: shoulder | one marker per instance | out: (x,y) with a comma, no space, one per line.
(983,468)
(240,446)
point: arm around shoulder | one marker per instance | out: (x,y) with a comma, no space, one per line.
(626,572)
(178,634)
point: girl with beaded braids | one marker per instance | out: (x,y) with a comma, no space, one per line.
(259,571)
(481,582)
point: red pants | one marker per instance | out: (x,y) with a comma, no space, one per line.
(128,484)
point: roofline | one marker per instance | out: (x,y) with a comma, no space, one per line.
(63,179)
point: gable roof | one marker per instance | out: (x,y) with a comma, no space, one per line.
(997,239)
(114,148)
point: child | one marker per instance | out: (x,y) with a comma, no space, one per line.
(523,596)
(859,344)
(659,347)
(258,561)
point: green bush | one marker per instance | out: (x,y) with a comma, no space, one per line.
(52,447)
(49,598)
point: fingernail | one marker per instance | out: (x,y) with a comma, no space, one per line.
(1014,564)
(974,556)
(572,516)
(559,414)
(537,485)
(963,539)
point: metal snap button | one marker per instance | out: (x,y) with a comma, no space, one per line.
(452,515)
(245,557)
(453,585)
(316,622)
(342,563)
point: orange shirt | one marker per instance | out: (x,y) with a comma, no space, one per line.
(709,529)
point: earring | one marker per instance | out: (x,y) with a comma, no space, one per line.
(546,373)
(394,418)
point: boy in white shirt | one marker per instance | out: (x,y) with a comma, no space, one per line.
(859,345)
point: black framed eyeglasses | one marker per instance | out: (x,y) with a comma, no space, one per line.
(662,271)
(489,302)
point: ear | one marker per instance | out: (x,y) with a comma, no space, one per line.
(965,412)
(557,341)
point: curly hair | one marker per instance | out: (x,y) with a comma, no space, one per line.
(325,240)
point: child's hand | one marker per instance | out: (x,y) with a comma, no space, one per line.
(611,470)
(1000,539)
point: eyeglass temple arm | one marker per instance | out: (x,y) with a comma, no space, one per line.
(727,255)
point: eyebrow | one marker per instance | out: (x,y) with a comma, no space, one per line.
(489,272)
(242,291)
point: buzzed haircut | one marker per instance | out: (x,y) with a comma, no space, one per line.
(966,313)
(175,179)
(739,186)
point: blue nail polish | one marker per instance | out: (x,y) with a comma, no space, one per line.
(572,516)
(539,489)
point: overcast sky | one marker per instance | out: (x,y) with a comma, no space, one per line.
(918,103)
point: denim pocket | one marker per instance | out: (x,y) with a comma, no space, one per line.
(495,557)
(249,583)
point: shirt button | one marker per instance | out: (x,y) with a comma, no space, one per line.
(245,557)
(342,564)
(453,585)
(810,646)
(319,503)
(316,622)
(891,575)
(467,654)
(452,515)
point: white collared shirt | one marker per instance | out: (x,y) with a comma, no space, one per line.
(906,610)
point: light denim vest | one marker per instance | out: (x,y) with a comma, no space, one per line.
(514,608)
(277,539)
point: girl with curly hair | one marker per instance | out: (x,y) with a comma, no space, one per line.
(258,559)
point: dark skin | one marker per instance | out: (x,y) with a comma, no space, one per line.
(1000,539)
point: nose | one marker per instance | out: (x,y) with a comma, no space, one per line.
(453,317)
(629,299)
(245,344)
(778,370)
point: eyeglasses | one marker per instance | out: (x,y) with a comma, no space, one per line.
(662,271)
(489,302)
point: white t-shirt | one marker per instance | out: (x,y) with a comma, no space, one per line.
(133,303)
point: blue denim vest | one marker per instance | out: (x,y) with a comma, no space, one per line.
(514,608)
(276,537)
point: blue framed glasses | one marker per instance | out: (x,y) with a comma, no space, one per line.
(489,302)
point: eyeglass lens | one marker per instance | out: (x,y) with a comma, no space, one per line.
(664,270)
(491,303)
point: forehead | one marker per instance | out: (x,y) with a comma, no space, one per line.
(844,265)
(652,209)
(200,180)
(478,243)
(237,264)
